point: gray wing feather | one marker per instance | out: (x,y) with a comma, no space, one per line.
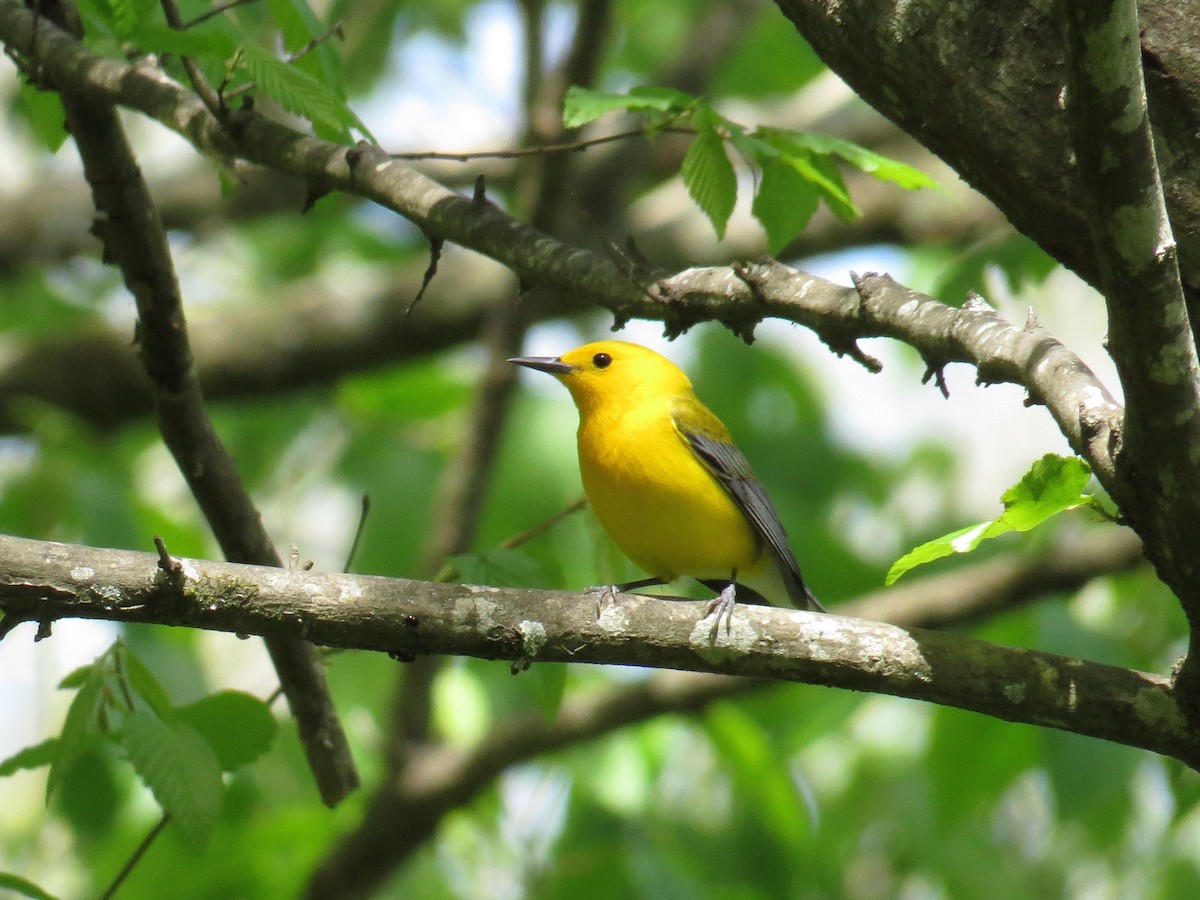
(733,471)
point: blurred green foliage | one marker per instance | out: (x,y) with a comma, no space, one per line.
(790,791)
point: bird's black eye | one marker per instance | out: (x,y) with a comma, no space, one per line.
(602,360)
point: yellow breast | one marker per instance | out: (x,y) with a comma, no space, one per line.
(659,504)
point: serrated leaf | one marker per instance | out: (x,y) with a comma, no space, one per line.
(239,727)
(23,887)
(1054,484)
(144,684)
(784,204)
(709,175)
(581,105)
(300,93)
(80,728)
(179,767)
(31,757)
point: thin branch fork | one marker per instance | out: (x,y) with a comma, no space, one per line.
(46,581)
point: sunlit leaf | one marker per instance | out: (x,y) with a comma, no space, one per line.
(1054,484)
(23,887)
(31,757)
(581,105)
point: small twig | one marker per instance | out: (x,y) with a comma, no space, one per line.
(936,372)
(195,74)
(334,30)
(170,567)
(214,12)
(363,512)
(543,149)
(435,255)
(136,857)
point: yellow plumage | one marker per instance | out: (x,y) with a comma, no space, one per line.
(664,477)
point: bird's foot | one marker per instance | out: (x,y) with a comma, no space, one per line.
(722,605)
(604,595)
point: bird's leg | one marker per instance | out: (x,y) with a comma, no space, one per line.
(723,605)
(605,594)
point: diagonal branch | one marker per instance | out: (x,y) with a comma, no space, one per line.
(129,226)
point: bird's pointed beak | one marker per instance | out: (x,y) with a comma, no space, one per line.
(551,364)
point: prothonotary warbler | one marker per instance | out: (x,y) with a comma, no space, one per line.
(667,482)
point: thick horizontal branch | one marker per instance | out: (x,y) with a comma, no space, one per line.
(46,581)
(404,811)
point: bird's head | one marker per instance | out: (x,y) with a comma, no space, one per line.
(611,373)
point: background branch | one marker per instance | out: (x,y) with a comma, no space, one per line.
(128,224)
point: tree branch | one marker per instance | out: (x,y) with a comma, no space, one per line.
(134,239)
(1080,404)
(407,807)
(1150,337)
(46,581)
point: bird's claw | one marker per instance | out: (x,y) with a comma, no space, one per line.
(604,595)
(722,605)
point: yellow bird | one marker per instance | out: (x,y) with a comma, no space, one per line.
(667,482)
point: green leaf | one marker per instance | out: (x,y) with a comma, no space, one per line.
(124,16)
(23,887)
(823,173)
(299,25)
(34,757)
(77,678)
(300,93)
(179,767)
(239,727)
(505,568)
(708,174)
(581,105)
(760,774)
(144,684)
(549,684)
(200,42)
(784,204)
(80,729)
(882,167)
(43,113)
(1052,485)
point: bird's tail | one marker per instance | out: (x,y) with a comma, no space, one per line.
(798,592)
